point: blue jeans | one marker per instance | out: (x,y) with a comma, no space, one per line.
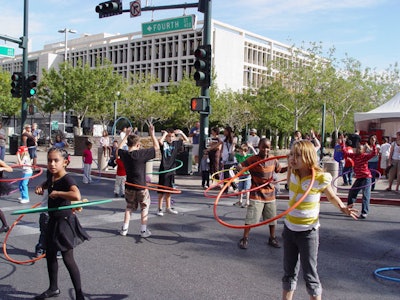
(23,186)
(348,175)
(2,152)
(373,167)
(364,185)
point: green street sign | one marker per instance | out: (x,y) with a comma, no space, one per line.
(6,51)
(168,25)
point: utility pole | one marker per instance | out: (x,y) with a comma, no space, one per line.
(24,106)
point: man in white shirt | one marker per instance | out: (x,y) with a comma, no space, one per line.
(253,139)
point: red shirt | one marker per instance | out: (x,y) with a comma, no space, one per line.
(87,156)
(120,167)
(348,162)
(360,162)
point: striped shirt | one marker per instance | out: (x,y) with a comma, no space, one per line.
(306,215)
(260,174)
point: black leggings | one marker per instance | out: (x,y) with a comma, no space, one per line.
(72,267)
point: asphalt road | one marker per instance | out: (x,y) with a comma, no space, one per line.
(192,256)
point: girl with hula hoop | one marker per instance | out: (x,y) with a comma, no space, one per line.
(170,145)
(362,174)
(300,233)
(4,190)
(64,231)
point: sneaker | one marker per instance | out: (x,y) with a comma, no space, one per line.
(363,216)
(145,234)
(59,255)
(24,201)
(273,242)
(123,231)
(115,195)
(160,213)
(123,196)
(171,211)
(4,229)
(237,204)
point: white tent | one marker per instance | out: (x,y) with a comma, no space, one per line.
(386,117)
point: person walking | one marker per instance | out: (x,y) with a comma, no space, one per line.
(394,162)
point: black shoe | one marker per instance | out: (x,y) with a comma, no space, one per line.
(4,229)
(115,195)
(48,294)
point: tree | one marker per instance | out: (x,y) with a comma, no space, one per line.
(8,106)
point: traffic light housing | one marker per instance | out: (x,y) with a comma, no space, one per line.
(200,104)
(202,65)
(109,8)
(16,84)
(31,85)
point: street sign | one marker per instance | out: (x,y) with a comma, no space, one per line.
(135,8)
(167,25)
(6,51)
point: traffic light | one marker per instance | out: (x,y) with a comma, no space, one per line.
(31,84)
(109,8)
(203,66)
(16,84)
(201,104)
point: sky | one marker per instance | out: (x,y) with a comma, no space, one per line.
(366,30)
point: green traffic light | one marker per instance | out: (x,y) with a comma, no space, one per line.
(32,92)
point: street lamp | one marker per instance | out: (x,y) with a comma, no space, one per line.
(65,31)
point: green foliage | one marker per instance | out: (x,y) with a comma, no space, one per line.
(8,106)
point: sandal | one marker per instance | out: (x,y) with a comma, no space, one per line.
(237,204)
(388,189)
(244,243)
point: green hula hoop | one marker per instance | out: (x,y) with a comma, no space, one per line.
(45,208)
(170,170)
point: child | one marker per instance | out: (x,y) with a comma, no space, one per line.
(362,174)
(170,146)
(300,233)
(348,165)
(105,144)
(245,179)
(205,170)
(134,160)
(24,160)
(4,190)
(64,231)
(120,178)
(87,159)
(113,156)
(262,201)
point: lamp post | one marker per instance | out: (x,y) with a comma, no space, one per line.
(65,31)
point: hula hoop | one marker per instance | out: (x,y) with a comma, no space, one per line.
(19,262)
(116,121)
(45,208)
(225,180)
(169,170)
(377,273)
(149,185)
(359,187)
(265,221)
(23,178)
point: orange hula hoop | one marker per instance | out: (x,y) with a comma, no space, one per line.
(19,262)
(265,221)
(22,178)
(149,186)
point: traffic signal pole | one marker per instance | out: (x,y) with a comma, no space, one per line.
(24,106)
(205,90)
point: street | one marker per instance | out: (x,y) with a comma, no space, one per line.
(191,256)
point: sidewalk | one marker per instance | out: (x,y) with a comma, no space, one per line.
(378,196)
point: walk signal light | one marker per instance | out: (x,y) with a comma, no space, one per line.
(16,84)
(201,104)
(202,65)
(109,8)
(31,86)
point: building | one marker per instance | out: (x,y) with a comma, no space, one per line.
(239,57)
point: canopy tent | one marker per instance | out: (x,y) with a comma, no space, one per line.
(385,117)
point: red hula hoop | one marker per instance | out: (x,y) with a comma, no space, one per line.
(19,262)
(24,178)
(265,221)
(166,189)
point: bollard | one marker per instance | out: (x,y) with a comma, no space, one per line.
(149,170)
(101,159)
(332,167)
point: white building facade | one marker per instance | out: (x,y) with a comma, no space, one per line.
(239,57)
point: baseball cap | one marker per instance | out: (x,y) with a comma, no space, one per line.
(253,130)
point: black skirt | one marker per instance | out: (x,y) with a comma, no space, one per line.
(65,233)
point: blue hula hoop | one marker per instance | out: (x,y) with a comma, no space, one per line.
(378,271)
(116,122)
(359,187)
